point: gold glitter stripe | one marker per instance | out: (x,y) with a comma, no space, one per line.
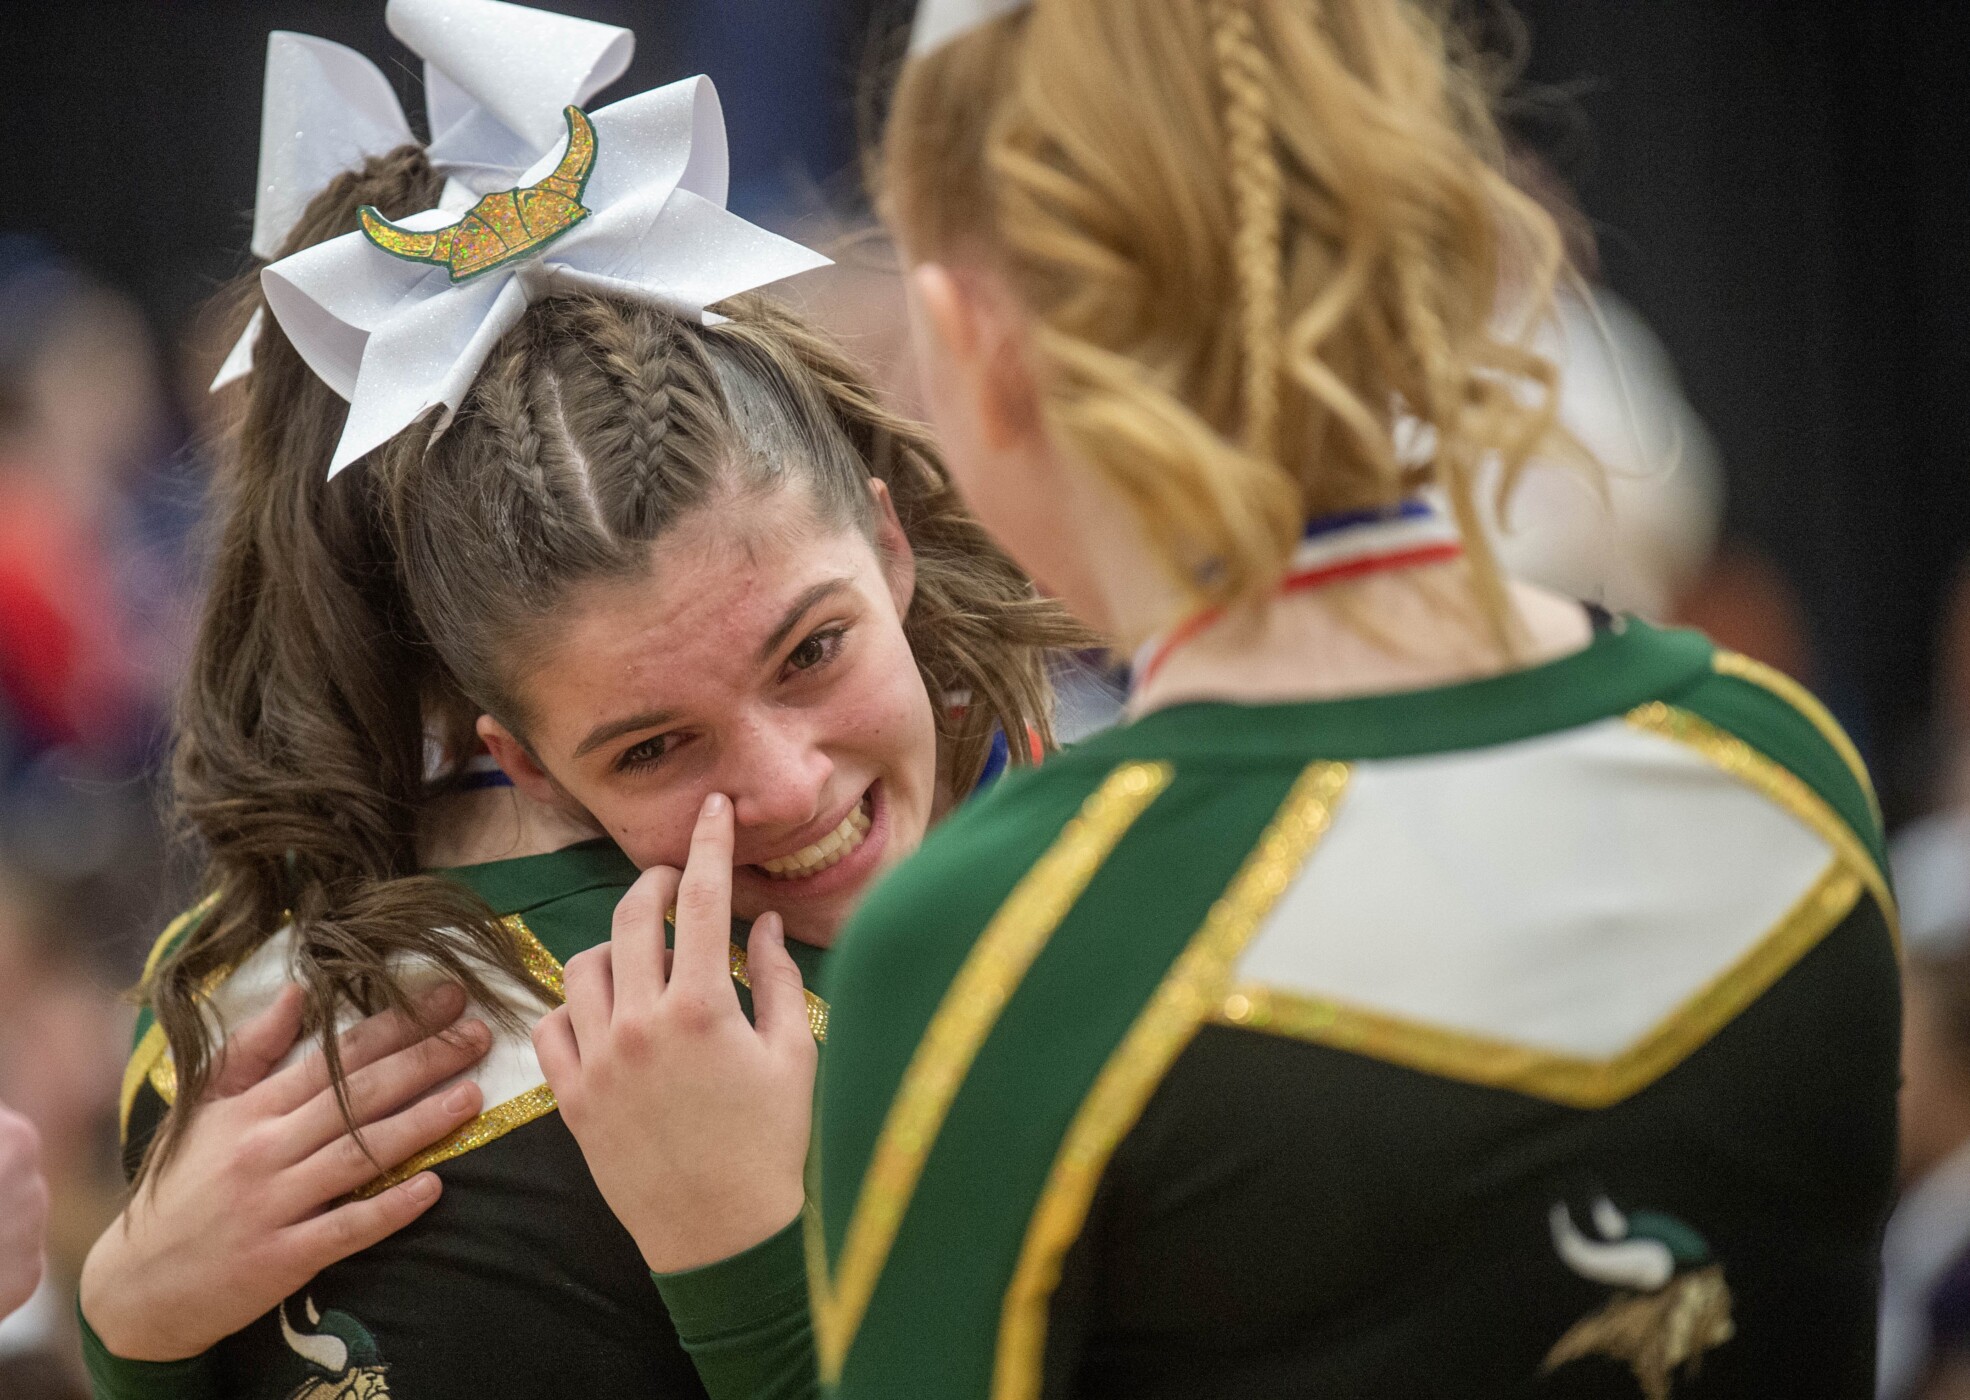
(495,1122)
(141,1066)
(1185,999)
(542,966)
(164,1080)
(1741,667)
(817,1010)
(1565,1079)
(173,929)
(964,1018)
(1780,784)
(147,1061)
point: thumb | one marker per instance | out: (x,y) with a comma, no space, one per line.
(779,999)
(251,1052)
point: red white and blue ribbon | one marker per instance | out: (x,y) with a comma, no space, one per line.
(1333,549)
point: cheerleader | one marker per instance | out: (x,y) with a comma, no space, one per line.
(1436,987)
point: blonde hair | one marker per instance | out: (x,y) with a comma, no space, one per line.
(1331,171)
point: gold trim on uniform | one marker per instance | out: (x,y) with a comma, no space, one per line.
(1184,1000)
(147,1060)
(1545,1074)
(817,1010)
(1742,667)
(970,1008)
(1780,784)
(495,1122)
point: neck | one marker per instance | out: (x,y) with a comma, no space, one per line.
(1385,633)
(472,828)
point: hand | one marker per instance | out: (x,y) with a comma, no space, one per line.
(23,1210)
(693,1120)
(245,1212)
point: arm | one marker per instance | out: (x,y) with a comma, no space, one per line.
(694,1121)
(744,1320)
(23,1210)
(246,1210)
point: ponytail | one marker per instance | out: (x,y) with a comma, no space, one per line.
(299,758)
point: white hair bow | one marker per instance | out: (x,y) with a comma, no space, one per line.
(399,317)
(496,77)
(940,21)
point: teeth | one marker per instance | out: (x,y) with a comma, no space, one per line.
(831,849)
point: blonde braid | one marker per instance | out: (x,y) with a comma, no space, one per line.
(1258,203)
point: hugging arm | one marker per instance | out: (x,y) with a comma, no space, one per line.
(252,1204)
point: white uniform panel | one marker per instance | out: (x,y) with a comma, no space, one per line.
(1565,893)
(509,1069)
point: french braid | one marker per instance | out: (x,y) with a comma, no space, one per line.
(1257,193)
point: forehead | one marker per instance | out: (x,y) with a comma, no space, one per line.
(688,628)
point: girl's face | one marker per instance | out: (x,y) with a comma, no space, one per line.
(761,656)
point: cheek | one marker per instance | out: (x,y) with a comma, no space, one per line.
(652,830)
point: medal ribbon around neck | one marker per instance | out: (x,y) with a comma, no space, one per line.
(1333,549)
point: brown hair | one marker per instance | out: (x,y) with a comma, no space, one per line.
(351,623)
(299,757)
(600,421)
(1327,170)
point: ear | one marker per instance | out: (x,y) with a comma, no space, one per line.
(899,560)
(529,778)
(973,323)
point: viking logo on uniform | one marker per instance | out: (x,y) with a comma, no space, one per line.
(342,1354)
(1670,1306)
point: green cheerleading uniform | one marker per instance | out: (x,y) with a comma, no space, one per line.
(519,1282)
(1535,1036)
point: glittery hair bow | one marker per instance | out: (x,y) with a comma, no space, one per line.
(496,78)
(399,316)
(940,21)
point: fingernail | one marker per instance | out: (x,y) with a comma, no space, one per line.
(715,805)
(444,994)
(475,1032)
(770,924)
(459,1099)
(422,1188)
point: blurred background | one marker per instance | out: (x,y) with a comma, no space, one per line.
(1771,199)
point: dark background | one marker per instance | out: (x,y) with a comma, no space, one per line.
(1782,189)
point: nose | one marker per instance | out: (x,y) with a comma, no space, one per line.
(776,773)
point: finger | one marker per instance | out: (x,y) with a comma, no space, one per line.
(779,999)
(588,984)
(559,1055)
(382,1088)
(348,1162)
(637,939)
(364,1043)
(704,906)
(334,1235)
(251,1052)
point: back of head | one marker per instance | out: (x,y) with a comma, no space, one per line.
(299,759)
(1263,241)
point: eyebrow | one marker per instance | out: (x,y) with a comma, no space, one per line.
(655,719)
(802,605)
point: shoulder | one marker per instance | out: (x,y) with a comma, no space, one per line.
(924,915)
(1771,731)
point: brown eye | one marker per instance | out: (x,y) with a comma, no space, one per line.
(817,650)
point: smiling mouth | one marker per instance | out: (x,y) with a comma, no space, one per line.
(830,850)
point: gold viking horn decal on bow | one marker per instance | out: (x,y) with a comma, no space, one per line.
(503,227)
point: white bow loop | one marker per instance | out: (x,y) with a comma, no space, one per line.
(398,337)
(496,79)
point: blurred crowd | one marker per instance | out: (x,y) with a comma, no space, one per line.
(98,493)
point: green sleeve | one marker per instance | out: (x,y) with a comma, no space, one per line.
(745,1323)
(111,1377)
